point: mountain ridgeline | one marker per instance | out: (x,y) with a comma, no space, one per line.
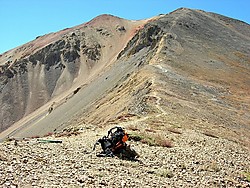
(189,67)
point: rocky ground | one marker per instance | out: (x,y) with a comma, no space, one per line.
(179,83)
(194,160)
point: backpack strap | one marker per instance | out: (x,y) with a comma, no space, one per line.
(117,129)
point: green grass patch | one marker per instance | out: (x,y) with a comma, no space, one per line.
(151,139)
(247,176)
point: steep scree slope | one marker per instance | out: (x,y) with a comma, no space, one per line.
(190,70)
(35,73)
(187,69)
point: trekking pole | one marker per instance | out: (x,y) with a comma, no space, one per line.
(97,142)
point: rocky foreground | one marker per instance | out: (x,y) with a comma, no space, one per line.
(194,160)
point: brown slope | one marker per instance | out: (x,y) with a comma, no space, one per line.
(192,71)
(187,69)
(52,64)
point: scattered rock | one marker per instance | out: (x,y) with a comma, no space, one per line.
(189,165)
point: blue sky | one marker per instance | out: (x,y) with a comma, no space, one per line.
(23,20)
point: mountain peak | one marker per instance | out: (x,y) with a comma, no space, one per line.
(190,52)
(103,19)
